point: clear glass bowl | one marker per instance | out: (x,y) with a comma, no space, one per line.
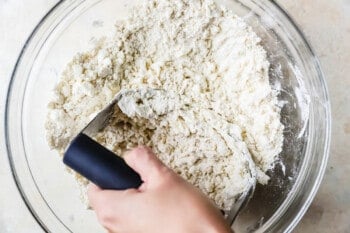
(52,195)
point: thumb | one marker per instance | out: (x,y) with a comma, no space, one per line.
(145,162)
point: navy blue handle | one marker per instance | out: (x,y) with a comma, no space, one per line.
(100,165)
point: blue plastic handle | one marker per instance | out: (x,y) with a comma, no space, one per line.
(100,165)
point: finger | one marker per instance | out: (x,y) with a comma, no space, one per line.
(92,190)
(92,193)
(144,161)
(98,196)
(111,205)
(93,187)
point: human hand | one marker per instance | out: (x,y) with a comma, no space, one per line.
(163,203)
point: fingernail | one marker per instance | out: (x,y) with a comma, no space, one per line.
(126,152)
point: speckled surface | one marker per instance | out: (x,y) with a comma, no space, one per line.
(326,25)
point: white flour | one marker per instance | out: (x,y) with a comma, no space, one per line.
(212,61)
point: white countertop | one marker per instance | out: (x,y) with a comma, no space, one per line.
(326,25)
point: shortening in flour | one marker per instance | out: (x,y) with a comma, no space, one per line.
(211,62)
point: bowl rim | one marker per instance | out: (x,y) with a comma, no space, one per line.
(7,103)
(328,123)
(326,148)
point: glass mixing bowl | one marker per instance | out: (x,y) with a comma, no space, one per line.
(52,195)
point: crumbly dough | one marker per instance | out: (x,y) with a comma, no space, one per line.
(222,108)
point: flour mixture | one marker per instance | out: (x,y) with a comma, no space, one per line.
(216,72)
